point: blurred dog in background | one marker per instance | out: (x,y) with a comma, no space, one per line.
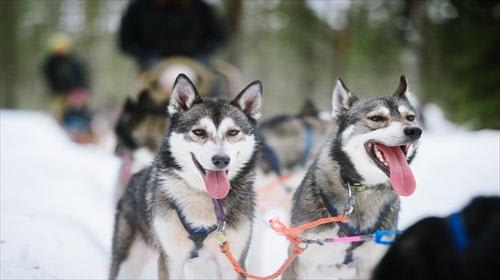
(465,245)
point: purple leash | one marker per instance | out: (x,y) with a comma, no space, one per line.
(219,213)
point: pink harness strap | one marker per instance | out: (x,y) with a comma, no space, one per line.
(347,239)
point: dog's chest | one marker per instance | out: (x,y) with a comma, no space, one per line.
(195,207)
(175,240)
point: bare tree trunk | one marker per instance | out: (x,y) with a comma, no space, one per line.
(233,10)
(8,53)
(341,48)
(412,62)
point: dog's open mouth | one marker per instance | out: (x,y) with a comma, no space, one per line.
(216,181)
(392,161)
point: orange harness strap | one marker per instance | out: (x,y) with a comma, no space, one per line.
(292,234)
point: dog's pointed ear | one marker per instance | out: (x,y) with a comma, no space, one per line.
(342,99)
(403,91)
(144,98)
(249,100)
(183,95)
(309,109)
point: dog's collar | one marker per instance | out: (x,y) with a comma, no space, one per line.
(458,232)
(220,215)
(357,187)
(354,186)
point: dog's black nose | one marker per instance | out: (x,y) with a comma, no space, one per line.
(221,161)
(413,132)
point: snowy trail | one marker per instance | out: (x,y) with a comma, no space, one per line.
(57,197)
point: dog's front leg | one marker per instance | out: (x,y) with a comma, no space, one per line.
(367,256)
(169,268)
(175,248)
(162,267)
(171,265)
(175,268)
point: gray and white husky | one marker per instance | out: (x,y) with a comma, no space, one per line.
(208,155)
(367,156)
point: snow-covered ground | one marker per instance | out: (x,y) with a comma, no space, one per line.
(56,210)
(57,197)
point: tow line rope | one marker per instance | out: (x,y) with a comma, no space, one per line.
(292,234)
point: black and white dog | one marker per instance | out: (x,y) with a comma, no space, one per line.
(464,245)
(208,154)
(360,171)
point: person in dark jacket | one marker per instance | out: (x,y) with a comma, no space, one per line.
(152,30)
(67,79)
(64,72)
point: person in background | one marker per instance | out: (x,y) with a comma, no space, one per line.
(66,77)
(152,30)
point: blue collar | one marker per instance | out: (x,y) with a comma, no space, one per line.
(458,232)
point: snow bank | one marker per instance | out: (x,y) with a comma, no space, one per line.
(56,210)
(453,165)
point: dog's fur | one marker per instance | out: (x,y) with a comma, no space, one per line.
(149,211)
(426,251)
(286,136)
(343,159)
(142,122)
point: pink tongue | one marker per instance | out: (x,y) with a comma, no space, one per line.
(217,183)
(402,179)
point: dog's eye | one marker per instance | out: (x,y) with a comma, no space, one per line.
(376,118)
(233,132)
(410,118)
(199,132)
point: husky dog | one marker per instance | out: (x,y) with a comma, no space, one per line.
(292,141)
(359,172)
(464,245)
(207,157)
